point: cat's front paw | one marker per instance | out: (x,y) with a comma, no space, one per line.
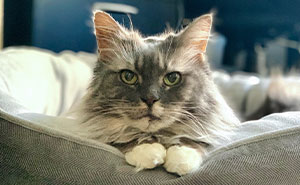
(182,160)
(146,156)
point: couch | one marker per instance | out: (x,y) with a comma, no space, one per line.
(37,86)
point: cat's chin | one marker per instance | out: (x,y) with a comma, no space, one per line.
(149,124)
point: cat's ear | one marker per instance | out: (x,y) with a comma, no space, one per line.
(196,34)
(107,31)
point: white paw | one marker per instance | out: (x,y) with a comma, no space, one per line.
(182,160)
(146,156)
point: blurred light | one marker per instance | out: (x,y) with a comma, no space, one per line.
(115,7)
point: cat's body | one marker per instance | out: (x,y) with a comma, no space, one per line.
(154,98)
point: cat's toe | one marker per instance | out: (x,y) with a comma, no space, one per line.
(182,160)
(146,156)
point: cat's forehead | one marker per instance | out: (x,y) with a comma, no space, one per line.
(158,55)
(150,60)
(154,55)
(162,41)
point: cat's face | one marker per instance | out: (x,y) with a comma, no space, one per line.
(153,85)
(149,83)
(152,90)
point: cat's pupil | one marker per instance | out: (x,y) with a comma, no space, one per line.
(128,76)
(172,77)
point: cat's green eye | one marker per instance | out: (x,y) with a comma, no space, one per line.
(172,78)
(128,77)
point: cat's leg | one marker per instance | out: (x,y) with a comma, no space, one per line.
(146,156)
(183,159)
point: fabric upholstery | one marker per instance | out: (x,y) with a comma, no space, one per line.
(32,151)
(43,81)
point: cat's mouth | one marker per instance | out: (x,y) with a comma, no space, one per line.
(150,116)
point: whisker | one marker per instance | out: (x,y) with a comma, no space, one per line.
(192,128)
(194,119)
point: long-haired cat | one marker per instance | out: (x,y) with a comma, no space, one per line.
(154,97)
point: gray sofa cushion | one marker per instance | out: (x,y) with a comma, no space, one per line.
(33,151)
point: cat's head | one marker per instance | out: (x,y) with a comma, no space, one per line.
(153,83)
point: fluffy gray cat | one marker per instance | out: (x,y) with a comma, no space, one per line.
(154,98)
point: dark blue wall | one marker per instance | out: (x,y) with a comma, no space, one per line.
(246,23)
(17,22)
(67,24)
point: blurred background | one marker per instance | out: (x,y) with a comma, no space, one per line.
(250,36)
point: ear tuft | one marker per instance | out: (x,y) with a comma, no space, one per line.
(103,20)
(197,33)
(106,31)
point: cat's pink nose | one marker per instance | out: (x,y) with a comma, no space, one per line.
(149,101)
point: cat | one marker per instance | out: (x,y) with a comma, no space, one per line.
(154,98)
